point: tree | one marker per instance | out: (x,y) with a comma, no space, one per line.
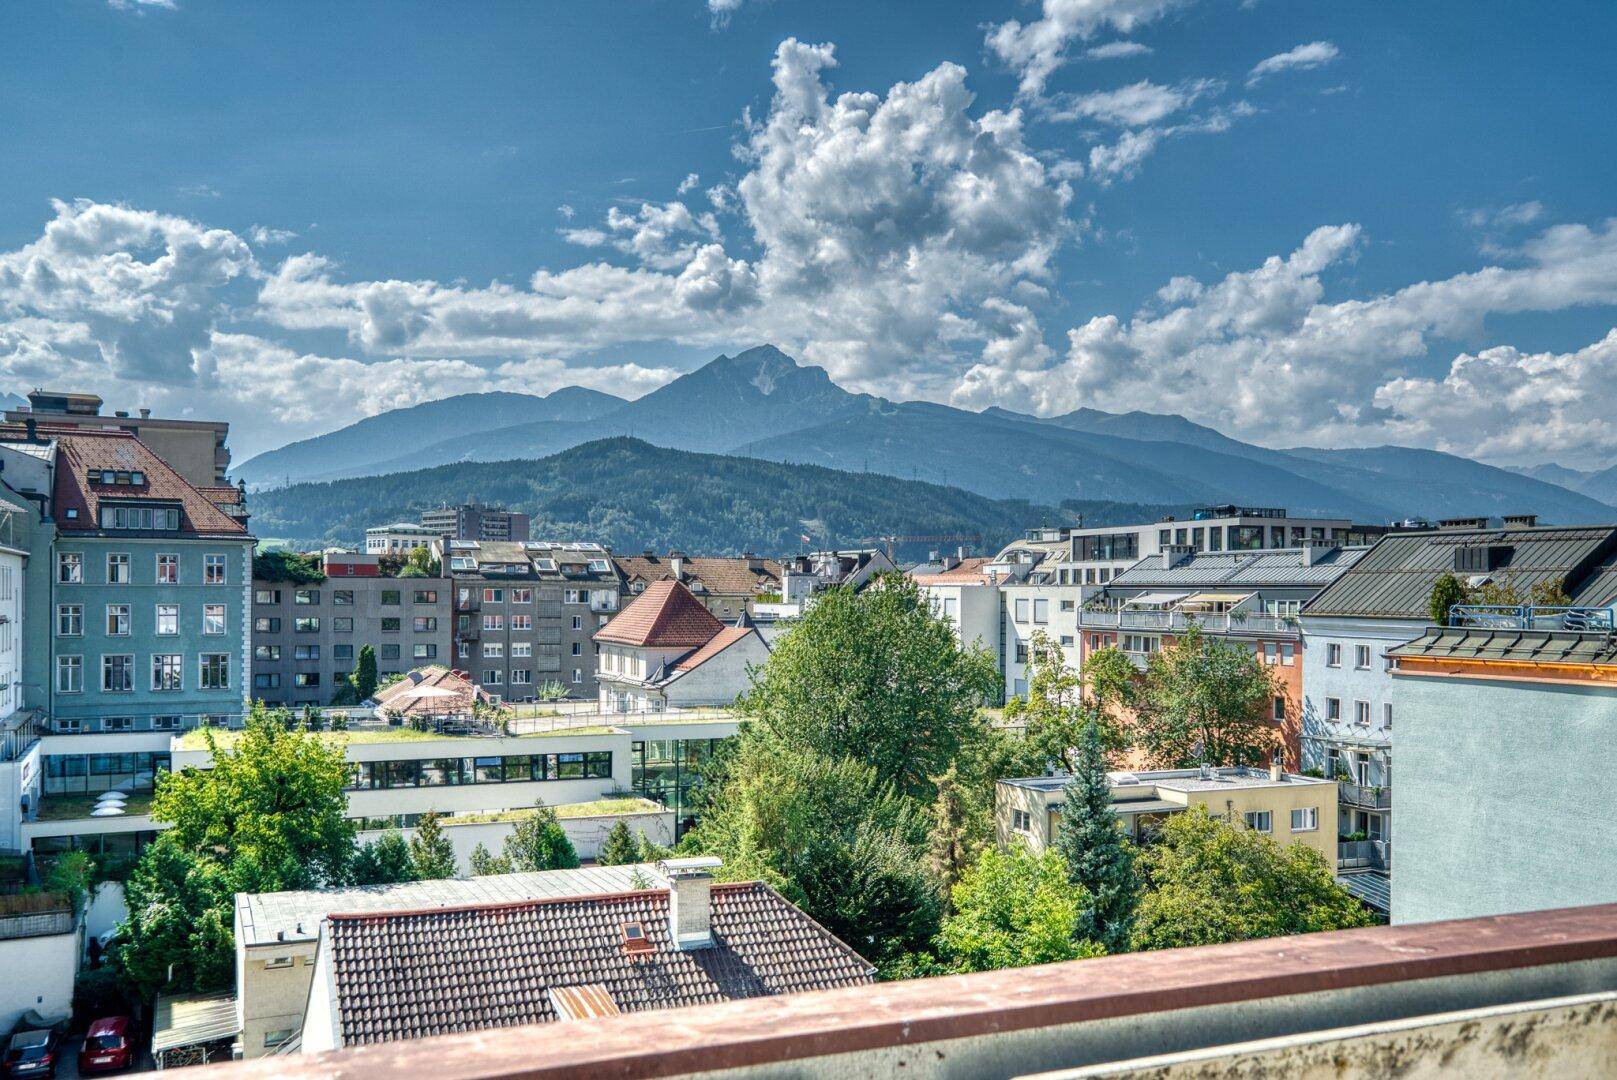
(619,848)
(419,563)
(876,673)
(1098,856)
(1112,679)
(180,921)
(287,566)
(832,835)
(1054,716)
(483,863)
(1447,591)
(383,861)
(1013,909)
(956,840)
(1209,882)
(273,808)
(1206,700)
(364,677)
(431,853)
(539,843)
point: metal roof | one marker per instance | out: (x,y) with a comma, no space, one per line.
(1275,567)
(1371,886)
(189,1019)
(1394,579)
(1519,646)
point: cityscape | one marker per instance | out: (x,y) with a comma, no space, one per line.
(744,629)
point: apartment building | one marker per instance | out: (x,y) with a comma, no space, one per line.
(1350,697)
(526,613)
(197,450)
(1250,597)
(1286,806)
(471,521)
(399,538)
(307,636)
(729,588)
(666,650)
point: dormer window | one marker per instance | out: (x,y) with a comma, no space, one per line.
(600,566)
(142,518)
(546,565)
(119,477)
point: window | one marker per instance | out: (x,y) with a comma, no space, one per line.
(576,596)
(1023,609)
(1305,819)
(267,596)
(1386,714)
(522,677)
(343,651)
(277,962)
(165,723)
(306,596)
(1361,712)
(213,569)
(1067,641)
(390,652)
(1021,652)
(118,569)
(117,620)
(1333,708)
(69,568)
(578,648)
(1259,821)
(578,622)
(166,671)
(391,625)
(215,670)
(305,652)
(493,622)
(390,598)
(493,596)
(343,596)
(424,651)
(493,648)
(1069,605)
(266,652)
(426,596)
(168,569)
(213,618)
(69,620)
(1271,653)
(492,677)
(521,596)
(70,674)
(1361,657)
(1041,611)
(306,626)
(424,624)
(1288,654)
(1141,643)
(1333,655)
(306,678)
(168,620)
(578,675)
(1279,712)
(343,625)
(266,626)
(521,648)
(118,673)
(1021,821)
(522,622)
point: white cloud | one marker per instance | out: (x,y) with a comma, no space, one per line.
(720,11)
(1312,55)
(142,5)
(1510,216)
(263,235)
(1262,352)
(1036,49)
(1135,105)
(688,184)
(665,237)
(1117,50)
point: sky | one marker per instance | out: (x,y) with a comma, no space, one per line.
(1301,222)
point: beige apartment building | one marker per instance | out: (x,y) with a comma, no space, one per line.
(196,449)
(1283,805)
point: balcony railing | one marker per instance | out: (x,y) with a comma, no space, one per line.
(1169,621)
(1364,854)
(1364,796)
(1532,617)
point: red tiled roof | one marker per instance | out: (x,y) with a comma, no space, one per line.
(80,451)
(724,577)
(665,616)
(436,675)
(223,493)
(720,641)
(404,975)
(969,572)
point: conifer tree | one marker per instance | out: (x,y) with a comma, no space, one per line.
(619,849)
(431,851)
(1098,856)
(365,673)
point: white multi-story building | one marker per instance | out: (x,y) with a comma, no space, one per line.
(399,538)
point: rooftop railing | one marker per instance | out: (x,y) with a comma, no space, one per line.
(1533,617)
(1235,622)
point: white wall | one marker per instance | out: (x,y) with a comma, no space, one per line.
(105,910)
(39,976)
(721,679)
(586,833)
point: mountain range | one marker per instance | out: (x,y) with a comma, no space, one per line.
(1597,484)
(762,404)
(628,494)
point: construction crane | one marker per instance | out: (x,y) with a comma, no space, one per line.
(945,538)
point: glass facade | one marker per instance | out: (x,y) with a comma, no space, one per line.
(447,772)
(669,771)
(119,843)
(80,774)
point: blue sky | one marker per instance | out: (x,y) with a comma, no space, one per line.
(1299,222)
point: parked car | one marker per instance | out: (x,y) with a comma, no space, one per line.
(107,1046)
(33,1053)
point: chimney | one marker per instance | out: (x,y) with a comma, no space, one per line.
(690,900)
(1455,523)
(145,414)
(1276,774)
(1176,554)
(1314,551)
(1520,521)
(676,564)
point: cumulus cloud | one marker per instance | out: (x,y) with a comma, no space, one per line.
(1134,105)
(263,235)
(1263,352)
(1036,49)
(1312,55)
(1117,50)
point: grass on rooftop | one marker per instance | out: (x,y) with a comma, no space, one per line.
(71,807)
(564,811)
(198,740)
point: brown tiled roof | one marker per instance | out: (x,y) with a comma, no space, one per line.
(969,572)
(728,577)
(720,641)
(405,975)
(223,493)
(665,616)
(437,675)
(80,451)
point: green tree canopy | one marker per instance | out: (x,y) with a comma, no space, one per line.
(1210,695)
(539,843)
(1013,909)
(619,847)
(431,853)
(484,863)
(874,673)
(383,861)
(1209,882)
(1447,591)
(287,566)
(1111,679)
(1054,715)
(272,808)
(180,921)
(1098,856)
(364,677)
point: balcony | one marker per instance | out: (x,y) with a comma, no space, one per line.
(1501,996)
(604,605)
(468,600)
(1364,796)
(1364,855)
(1172,621)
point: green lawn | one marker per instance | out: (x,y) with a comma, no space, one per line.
(197,739)
(69,807)
(598,808)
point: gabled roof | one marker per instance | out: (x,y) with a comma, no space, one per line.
(1394,579)
(720,576)
(721,641)
(665,616)
(81,451)
(967,572)
(405,975)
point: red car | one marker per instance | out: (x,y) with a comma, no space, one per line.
(107,1046)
